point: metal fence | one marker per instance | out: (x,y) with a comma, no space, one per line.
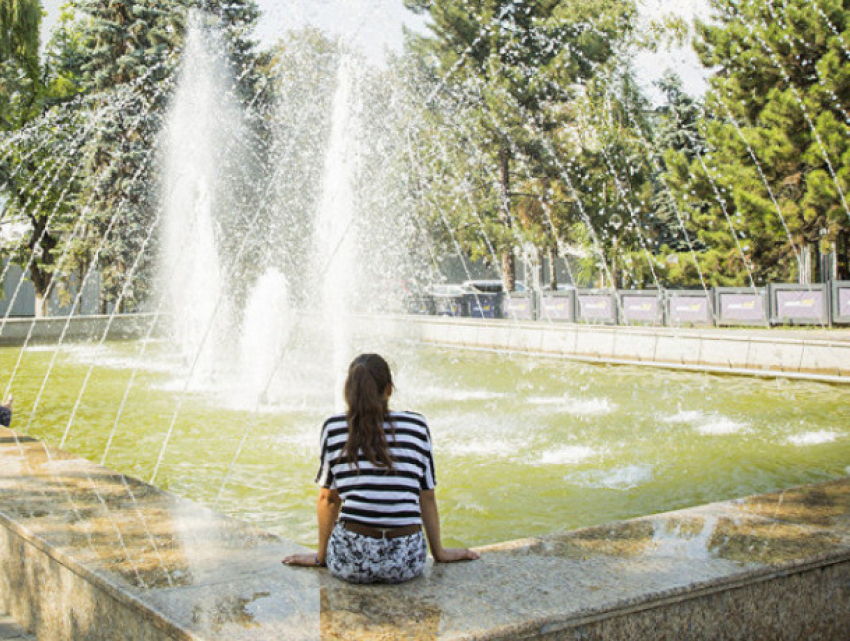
(19,294)
(778,304)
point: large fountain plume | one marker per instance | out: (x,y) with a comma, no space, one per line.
(203,125)
(237,281)
(201,291)
(334,257)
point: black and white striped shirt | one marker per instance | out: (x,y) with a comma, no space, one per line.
(376,496)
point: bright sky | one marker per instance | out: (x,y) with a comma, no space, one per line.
(684,60)
(372,25)
(376,25)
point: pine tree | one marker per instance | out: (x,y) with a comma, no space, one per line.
(35,174)
(772,187)
(128,54)
(125,59)
(675,131)
(83,178)
(237,19)
(512,66)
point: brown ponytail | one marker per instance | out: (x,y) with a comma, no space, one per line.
(368,380)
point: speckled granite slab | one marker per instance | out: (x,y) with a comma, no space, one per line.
(88,553)
(10,630)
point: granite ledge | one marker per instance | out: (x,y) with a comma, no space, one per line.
(187,572)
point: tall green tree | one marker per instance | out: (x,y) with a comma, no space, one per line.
(676,129)
(35,172)
(125,55)
(771,191)
(511,66)
(237,19)
(614,180)
(676,132)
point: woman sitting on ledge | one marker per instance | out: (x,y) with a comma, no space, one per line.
(6,413)
(377,477)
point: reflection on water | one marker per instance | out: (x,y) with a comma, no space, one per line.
(813,438)
(524,446)
(376,614)
(767,530)
(622,478)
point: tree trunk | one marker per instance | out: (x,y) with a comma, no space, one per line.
(833,274)
(817,263)
(553,271)
(41,284)
(805,276)
(615,266)
(508,262)
(42,305)
(841,247)
(842,256)
(41,242)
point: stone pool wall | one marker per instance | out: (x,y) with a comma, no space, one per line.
(816,355)
(86,553)
(74,328)
(822,355)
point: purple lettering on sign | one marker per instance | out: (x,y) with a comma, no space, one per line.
(519,308)
(595,307)
(741,306)
(556,308)
(690,309)
(641,308)
(797,304)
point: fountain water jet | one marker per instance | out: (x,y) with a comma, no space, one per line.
(196,181)
(200,127)
(333,244)
(266,326)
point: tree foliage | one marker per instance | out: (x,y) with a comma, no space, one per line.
(125,55)
(510,128)
(772,182)
(20,24)
(35,168)
(513,69)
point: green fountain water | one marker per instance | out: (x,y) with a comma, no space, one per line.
(524,446)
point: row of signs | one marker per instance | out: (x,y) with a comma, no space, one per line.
(798,304)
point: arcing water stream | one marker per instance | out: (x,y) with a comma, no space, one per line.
(523,446)
(256,289)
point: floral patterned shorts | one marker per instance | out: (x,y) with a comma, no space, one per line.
(362,559)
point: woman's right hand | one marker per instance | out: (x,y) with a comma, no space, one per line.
(451,555)
(304,560)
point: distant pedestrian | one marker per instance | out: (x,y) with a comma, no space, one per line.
(377,478)
(6,412)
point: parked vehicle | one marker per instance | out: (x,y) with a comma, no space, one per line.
(486,286)
(448,300)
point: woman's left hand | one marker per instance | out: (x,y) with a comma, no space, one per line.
(307,560)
